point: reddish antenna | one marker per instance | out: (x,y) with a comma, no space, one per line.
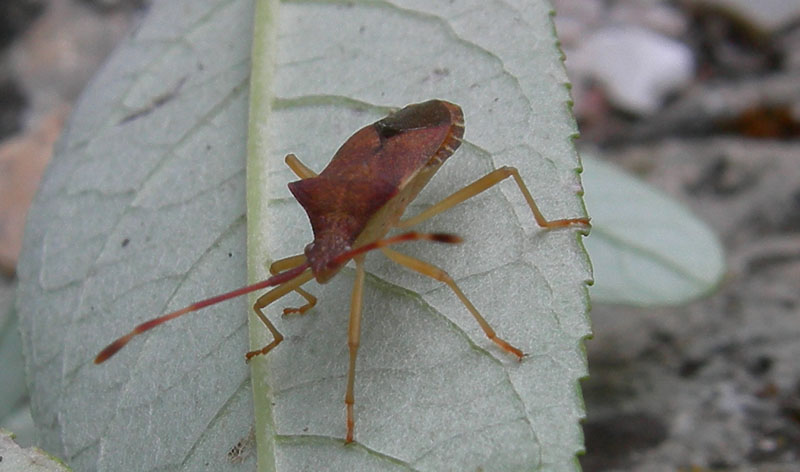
(278,279)
(446,238)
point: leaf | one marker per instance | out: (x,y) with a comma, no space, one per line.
(143,211)
(12,375)
(646,248)
(14,407)
(30,459)
(143,208)
(432,392)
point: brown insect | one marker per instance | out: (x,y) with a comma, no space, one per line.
(353,204)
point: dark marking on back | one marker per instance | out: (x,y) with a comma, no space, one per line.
(424,115)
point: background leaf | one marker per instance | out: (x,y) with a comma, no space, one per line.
(12,375)
(142,211)
(30,459)
(14,409)
(646,248)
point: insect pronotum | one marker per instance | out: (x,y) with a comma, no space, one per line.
(352,205)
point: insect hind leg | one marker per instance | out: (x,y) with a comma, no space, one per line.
(484,183)
(434,272)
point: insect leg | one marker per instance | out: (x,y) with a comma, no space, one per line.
(353,340)
(270,297)
(434,272)
(298,167)
(484,183)
(288,263)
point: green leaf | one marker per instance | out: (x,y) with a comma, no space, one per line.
(15,412)
(31,459)
(142,212)
(12,376)
(646,248)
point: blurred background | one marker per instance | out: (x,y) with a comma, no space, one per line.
(700,98)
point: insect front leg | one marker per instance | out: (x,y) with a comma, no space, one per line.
(270,297)
(353,341)
(288,263)
(484,183)
(434,272)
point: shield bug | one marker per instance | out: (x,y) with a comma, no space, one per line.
(352,205)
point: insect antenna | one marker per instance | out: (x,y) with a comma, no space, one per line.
(277,279)
(400,238)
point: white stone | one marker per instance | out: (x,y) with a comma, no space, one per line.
(637,67)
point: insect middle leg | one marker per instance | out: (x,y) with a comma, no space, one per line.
(270,297)
(484,183)
(289,263)
(353,341)
(434,272)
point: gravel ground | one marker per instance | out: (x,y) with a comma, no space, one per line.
(714,384)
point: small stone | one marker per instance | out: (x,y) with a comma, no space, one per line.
(637,68)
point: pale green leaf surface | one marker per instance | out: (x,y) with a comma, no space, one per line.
(432,392)
(17,459)
(12,374)
(143,209)
(646,248)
